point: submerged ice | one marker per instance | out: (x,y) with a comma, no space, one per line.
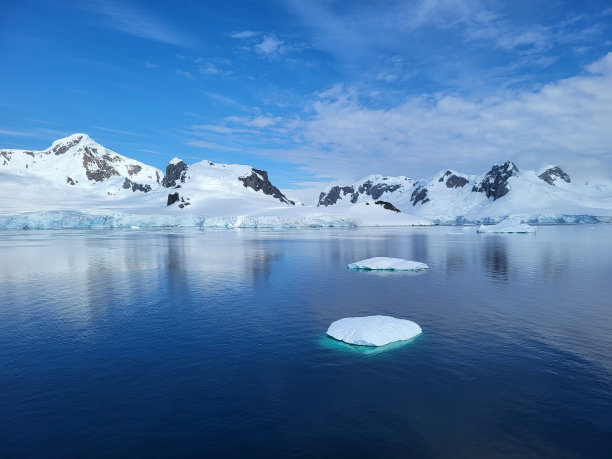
(373,330)
(389,264)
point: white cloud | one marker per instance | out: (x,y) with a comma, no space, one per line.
(270,47)
(565,122)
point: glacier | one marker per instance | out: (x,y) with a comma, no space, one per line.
(373,330)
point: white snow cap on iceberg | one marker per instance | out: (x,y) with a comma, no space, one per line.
(507,226)
(390,264)
(373,330)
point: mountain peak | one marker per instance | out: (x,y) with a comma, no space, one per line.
(61,146)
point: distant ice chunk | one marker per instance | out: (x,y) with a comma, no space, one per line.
(507,226)
(389,264)
(373,330)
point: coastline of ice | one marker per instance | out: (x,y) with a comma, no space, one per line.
(118,220)
(76,219)
(388,264)
(373,330)
(507,226)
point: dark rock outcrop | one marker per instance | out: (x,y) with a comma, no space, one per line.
(495,184)
(368,188)
(127,184)
(387,205)
(375,191)
(172,198)
(69,181)
(551,174)
(419,195)
(62,148)
(331,197)
(455,181)
(258,180)
(175,172)
(96,168)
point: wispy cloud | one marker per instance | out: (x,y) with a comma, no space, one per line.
(118,131)
(185,74)
(16,133)
(210,145)
(243,34)
(137,22)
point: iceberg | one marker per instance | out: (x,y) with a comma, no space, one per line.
(507,226)
(373,330)
(389,264)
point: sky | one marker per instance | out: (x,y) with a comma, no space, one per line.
(318,91)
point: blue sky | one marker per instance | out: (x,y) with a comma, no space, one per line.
(314,91)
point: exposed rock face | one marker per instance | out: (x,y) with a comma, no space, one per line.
(495,183)
(453,180)
(97,169)
(69,181)
(552,174)
(387,205)
(134,169)
(175,172)
(419,195)
(60,149)
(258,180)
(331,198)
(374,190)
(369,188)
(172,198)
(127,184)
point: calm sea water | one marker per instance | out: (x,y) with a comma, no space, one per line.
(173,343)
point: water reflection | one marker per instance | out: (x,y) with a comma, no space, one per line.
(419,247)
(495,256)
(455,256)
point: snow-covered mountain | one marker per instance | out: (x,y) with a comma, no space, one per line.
(78,173)
(79,161)
(78,183)
(213,185)
(548,195)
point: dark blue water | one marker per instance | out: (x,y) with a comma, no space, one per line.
(186,342)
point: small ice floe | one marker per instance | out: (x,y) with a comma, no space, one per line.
(134,227)
(507,226)
(373,330)
(388,264)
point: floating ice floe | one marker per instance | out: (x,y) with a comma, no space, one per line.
(373,330)
(507,226)
(389,264)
